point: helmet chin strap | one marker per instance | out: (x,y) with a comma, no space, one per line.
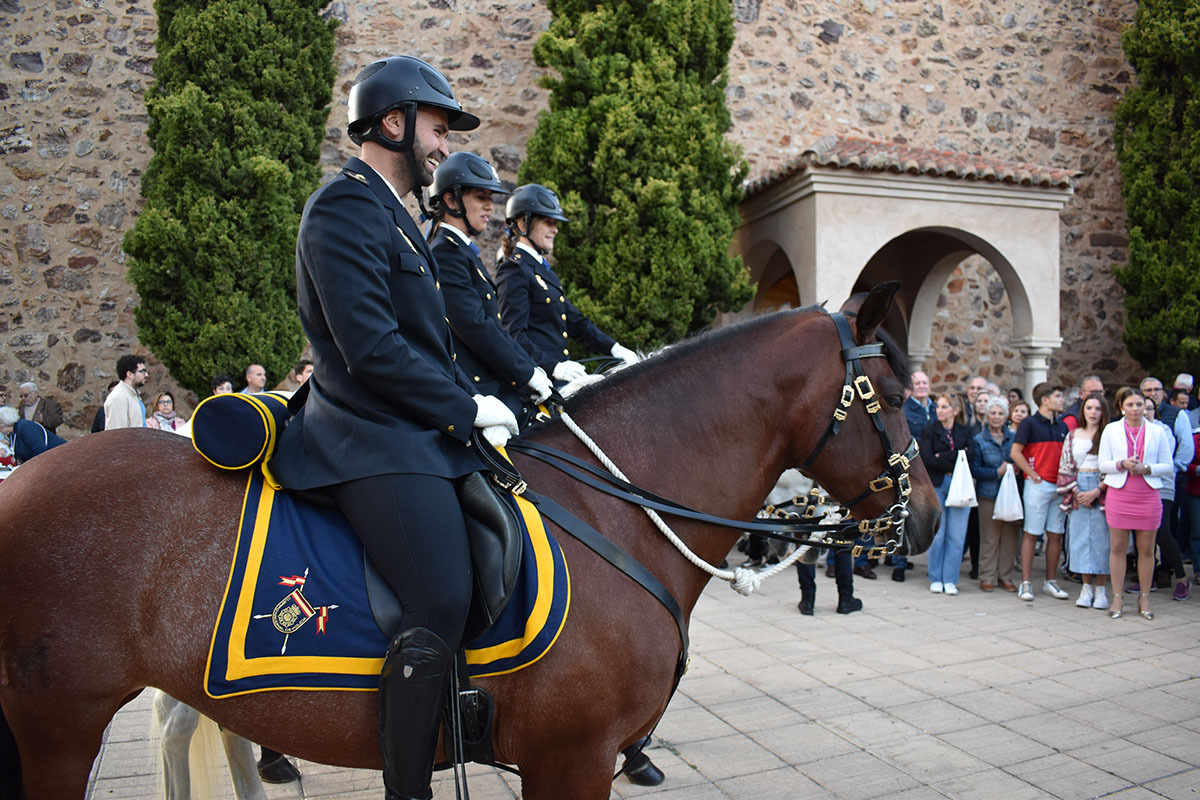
(460,212)
(405,145)
(528,217)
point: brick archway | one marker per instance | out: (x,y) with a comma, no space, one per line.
(851,212)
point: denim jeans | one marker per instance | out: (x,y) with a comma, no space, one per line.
(946,552)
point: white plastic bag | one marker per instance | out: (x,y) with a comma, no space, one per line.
(962,487)
(1008,500)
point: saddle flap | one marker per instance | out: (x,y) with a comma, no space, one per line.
(495,536)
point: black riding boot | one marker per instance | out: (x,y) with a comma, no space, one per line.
(808,587)
(844,572)
(412,692)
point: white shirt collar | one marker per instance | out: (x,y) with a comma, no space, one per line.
(460,234)
(530,250)
(386,182)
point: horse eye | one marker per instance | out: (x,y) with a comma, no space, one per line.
(894,400)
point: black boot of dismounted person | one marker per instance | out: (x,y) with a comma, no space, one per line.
(848,605)
(412,690)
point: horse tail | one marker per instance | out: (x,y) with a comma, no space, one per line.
(10,762)
(206,756)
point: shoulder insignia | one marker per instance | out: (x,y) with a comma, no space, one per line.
(358,176)
(541,282)
(407,240)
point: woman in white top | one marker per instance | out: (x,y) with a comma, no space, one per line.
(1134,459)
(1087,531)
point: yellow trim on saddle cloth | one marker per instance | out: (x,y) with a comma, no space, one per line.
(238,666)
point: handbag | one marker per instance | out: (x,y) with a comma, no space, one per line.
(962,487)
(1068,476)
(1008,506)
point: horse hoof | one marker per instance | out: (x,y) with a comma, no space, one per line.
(278,771)
(641,770)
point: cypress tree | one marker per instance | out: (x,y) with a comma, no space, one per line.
(634,144)
(237,114)
(1157,137)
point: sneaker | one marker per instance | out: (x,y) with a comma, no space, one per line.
(1051,588)
(936,587)
(1181,591)
(1101,600)
(1025,592)
(1086,596)
(950,588)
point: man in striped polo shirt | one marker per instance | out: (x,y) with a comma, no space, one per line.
(1036,450)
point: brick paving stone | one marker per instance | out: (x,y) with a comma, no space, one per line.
(936,716)
(1134,763)
(917,696)
(996,745)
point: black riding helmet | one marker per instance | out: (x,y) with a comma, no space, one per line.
(533,198)
(461,171)
(400,82)
(405,83)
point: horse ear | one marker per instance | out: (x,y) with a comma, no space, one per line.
(873,310)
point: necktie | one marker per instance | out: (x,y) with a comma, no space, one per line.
(474,248)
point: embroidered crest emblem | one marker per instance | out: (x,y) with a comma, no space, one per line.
(541,282)
(290,613)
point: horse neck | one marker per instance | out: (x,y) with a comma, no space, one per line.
(706,429)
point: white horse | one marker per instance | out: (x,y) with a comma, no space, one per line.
(178,724)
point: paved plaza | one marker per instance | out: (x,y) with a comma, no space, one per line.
(917,696)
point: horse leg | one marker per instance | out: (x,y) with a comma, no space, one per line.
(569,775)
(242,767)
(178,722)
(57,747)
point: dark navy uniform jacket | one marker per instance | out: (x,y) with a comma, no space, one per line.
(385,395)
(537,313)
(491,359)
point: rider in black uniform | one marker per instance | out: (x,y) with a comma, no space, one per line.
(532,300)
(386,418)
(461,202)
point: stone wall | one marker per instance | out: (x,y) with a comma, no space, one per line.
(1032,81)
(1028,81)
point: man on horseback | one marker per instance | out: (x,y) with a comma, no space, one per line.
(383,429)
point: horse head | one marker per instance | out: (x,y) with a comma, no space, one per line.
(867,432)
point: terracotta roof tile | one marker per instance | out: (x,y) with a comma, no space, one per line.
(844,152)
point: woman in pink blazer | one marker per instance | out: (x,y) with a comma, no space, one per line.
(1135,458)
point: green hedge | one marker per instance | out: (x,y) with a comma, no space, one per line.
(238,112)
(634,143)
(1158,147)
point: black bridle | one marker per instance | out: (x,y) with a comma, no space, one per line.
(796,531)
(895,474)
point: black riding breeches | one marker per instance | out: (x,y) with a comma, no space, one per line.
(413,531)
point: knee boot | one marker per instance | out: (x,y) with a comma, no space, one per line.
(412,691)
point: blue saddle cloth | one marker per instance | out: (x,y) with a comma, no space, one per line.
(295,613)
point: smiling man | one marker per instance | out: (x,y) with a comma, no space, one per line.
(383,425)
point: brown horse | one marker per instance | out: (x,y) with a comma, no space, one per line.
(108,589)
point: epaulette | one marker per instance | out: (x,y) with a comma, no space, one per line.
(358,176)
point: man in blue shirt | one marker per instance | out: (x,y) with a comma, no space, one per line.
(919,408)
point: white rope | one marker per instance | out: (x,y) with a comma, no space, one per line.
(742,580)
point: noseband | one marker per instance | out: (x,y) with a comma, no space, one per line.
(895,474)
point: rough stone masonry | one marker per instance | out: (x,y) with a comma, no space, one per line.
(1033,81)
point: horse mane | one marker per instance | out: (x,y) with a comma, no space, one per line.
(670,354)
(712,339)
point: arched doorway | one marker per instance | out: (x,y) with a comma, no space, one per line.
(851,212)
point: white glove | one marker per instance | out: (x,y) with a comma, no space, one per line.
(493,413)
(625,354)
(539,385)
(567,371)
(497,435)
